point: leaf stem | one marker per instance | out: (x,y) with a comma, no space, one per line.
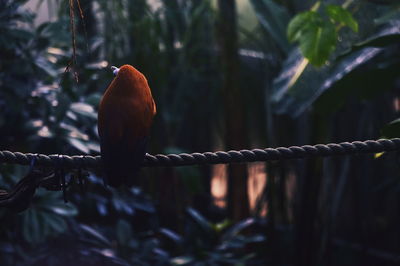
(316,6)
(300,69)
(347,3)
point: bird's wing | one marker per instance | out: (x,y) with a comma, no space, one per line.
(122,150)
(122,162)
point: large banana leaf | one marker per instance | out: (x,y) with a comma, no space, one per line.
(294,99)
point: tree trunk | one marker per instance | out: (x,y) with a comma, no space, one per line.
(307,229)
(235,129)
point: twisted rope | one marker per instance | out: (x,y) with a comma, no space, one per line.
(20,196)
(219,157)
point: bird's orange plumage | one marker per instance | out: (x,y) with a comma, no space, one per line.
(125,116)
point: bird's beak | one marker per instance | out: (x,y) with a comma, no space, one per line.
(115,70)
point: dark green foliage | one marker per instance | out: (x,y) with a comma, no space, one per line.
(45,110)
(351,97)
(344,77)
(317,35)
(341,16)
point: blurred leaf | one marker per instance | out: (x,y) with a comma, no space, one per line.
(318,42)
(62,209)
(342,16)
(79,145)
(392,14)
(296,99)
(46,217)
(391,130)
(101,208)
(274,19)
(182,260)
(94,146)
(29,223)
(71,115)
(55,50)
(94,99)
(46,66)
(123,231)
(223,225)
(199,220)
(84,109)
(382,40)
(237,228)
(316,36)
(177,239)
(56,223)
(135,200)
(44,132)
(95,234)
(161,253)
(74,132)
(97,65)
(299,24)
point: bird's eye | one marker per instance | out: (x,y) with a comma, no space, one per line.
(115,70)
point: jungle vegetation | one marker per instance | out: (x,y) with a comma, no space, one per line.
(225,75)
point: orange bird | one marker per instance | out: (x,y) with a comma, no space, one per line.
(125,116)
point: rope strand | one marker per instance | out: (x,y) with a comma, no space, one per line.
(219,157)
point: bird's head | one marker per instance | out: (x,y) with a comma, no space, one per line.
(115,70)
(128,80)
(128,72)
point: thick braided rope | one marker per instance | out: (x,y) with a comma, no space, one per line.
(219,157)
